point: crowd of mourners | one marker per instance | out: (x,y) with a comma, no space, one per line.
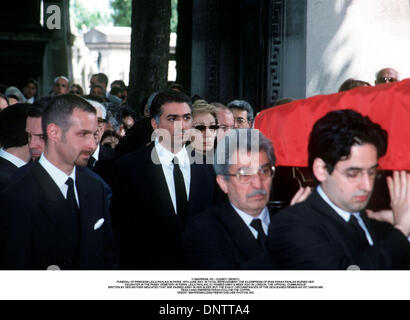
(89,182)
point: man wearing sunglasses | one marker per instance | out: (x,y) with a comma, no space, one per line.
(386,75)
(330,229)
(232,235)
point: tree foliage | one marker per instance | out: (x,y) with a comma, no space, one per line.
(84,17)
(121,14)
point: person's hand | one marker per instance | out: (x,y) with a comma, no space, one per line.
(301,195)
(399,189)
(382,215)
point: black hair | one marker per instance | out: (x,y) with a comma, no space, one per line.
(116,90)
(13,126)
(164,97)
(42,103)
(34,112)
(30,80)
(334,134)
(102,78)
(127,111)
(119,83)
(61,108)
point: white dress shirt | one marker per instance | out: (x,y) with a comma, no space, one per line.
(12,158)
(247,218)
(346,215)
(59,177)
(96,153)
(165,157)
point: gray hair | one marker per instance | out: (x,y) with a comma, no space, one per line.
(100,106)
(242,105)
(243,139)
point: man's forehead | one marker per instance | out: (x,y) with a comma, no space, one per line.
(34,123)
(175,108)
(254,158)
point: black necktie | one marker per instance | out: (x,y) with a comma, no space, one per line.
(71,196)
(257,225)
(359,232)
(91,162)
(180,192)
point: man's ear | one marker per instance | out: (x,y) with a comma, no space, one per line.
(154,124)
(222,183)
(320,170)
(53,132)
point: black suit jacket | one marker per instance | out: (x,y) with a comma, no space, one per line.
(148,232)
(33,221)
(7,169)
(218,238)
(311,235)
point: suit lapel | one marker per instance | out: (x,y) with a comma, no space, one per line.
(239,231)
(323,208)
(54,204)
(157,181)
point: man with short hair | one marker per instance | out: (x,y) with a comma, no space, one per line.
(56,215)
(101,152)
(15,151)
(330,230)
(100,79)
(97,90)
(232,235)
(225,119)
(157,190)
(30,89)
(387,75)
(242,113)
(60,85)
(35,133)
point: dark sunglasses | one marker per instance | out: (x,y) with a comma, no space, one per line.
(202,127)
(74,92)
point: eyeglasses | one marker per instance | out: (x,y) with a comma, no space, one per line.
(246,174)
(202,127)
(240,120)
(386,79)
(75,92)
(355,174)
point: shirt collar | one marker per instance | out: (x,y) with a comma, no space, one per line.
(58,176)
(344,214)
(165,156)
(96,153)
(12,158)
(247,218)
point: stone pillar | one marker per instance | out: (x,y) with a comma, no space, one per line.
(347,38)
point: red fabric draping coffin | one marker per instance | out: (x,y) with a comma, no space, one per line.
(288,126)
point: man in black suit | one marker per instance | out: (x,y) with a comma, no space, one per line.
(232,234)
(157,189)
(55,215)
(15,151)
(330,230)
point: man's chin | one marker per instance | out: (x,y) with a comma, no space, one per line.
(82,162)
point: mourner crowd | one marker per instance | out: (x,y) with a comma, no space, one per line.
(86,184)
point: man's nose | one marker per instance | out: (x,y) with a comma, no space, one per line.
(256,181)
(366,182)
(92,142)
